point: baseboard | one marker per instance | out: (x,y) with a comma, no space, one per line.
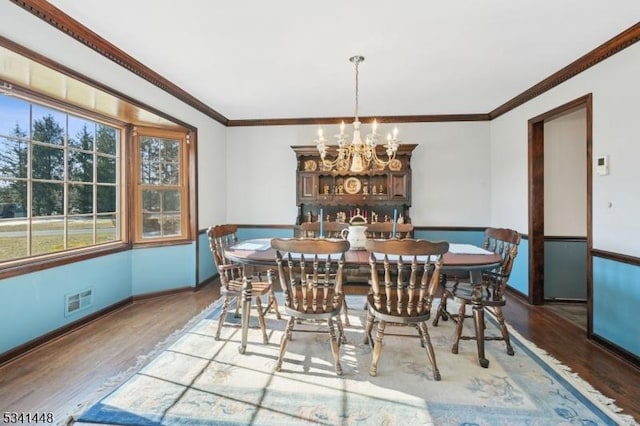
(513,292)
(612,347)
(31,345)
(162,293)
(207,281)
(564,300)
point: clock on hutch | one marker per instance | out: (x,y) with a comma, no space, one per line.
(374,194)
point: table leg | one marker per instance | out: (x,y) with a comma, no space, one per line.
(478,319)
(246,311)
(478,316)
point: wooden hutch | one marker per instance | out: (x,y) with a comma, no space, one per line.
(341,194)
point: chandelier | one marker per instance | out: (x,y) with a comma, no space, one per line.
(356,156)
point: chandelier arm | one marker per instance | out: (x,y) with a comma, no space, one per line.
(378,160)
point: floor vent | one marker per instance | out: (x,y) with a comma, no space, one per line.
(78,301)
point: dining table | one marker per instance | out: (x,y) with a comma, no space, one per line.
(461,258)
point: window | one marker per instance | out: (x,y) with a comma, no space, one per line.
(85,170)
(60,181)
(162,192)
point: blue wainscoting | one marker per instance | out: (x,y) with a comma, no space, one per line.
(247,233)
(162,268)
(206,267)
(565,269)
(33,304)
(519,274)
(616,302)
(519,279)
(453,236)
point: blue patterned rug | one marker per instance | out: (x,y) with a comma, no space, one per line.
(196,380)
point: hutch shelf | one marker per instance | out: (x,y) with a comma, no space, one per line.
(374,194)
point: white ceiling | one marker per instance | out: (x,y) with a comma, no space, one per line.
(253,59)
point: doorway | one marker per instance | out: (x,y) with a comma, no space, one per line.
(536,165)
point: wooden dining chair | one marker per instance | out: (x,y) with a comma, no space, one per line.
(404,277)
(488,295)
(310,275)
(330,230)
(234,283)
(384,230)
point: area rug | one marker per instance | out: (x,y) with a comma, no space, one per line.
(197,380)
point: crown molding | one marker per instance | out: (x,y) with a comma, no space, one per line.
(79,32)
(63,22)
(597,55)
(337,120)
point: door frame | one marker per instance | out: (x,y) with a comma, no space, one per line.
(536,199)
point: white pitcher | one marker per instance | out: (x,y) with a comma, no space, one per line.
(356,235)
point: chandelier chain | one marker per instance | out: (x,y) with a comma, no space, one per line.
(356,112)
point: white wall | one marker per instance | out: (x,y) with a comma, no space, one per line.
(212,175)
(616,126)
(450,178)
(565,175)
(34,34)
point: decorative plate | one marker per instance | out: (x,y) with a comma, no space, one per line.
(310,166)
(395,165)
(352,185)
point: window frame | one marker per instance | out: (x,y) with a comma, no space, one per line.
(130,113)
(10,266)
(184,186)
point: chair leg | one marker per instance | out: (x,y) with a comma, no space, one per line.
(246,313)
(503,329)
(342,338)
(238,305)
(442,309)
(263,325)
(368,339)
(373,369)
(345,310)
(426,341)
(335,348)
(461,312)
(478,321)
(284,341)
(223,316)
(274,303)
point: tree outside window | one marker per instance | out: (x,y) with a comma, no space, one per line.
(59,180)
(162,185)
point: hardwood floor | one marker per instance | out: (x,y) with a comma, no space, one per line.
(63,374)
(574,312)
(566,341)
(59,376)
